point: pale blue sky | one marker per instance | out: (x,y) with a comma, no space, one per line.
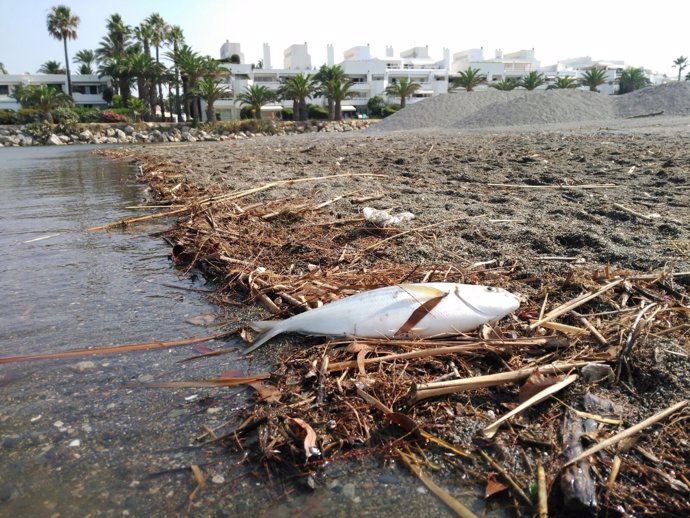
(649,34)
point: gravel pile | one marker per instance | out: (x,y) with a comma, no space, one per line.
(672,98)
(493,108)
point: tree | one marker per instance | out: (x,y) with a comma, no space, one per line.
(51,67)
(3,70)
(256,96)
(160,34)
(468,79)
(562,83)
(403,88)
(532,80)
(375,105)
(235,59)
(593,77)
(298,88)
(62,25)
(85,58)
(176,38)
(113,54)
(505,84)
(42,97)
(681,62)
(211,89)
(335,87)
(632,79)
(143,67)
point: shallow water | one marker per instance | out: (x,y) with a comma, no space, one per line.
(63,288)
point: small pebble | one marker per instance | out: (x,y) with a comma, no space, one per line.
(83,366)
(218,479)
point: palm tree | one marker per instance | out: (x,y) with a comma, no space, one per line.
(532,80)
(211,89)
(62,25)
(85,58)
(632,79)
(176,38)
(403,88)
(562,83)
(335,87)
(594,77)
(160,33)
(42,97)
(256,96)
(505,84)
(340,90)
(298,88)
(681,62)
(3,70)
(468,79)
(51,67)
(143,67)
(113,54)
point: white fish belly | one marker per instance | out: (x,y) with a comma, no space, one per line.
(381,313)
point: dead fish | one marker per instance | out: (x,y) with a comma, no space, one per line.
(417,310)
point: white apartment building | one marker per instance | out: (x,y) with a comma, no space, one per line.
(87,90)
(372,75)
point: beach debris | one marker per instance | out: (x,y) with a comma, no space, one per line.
(577,481)
(383,218)
(421,310)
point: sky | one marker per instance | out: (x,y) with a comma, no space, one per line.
(642,34)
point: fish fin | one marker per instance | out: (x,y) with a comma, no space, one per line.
(268,329)
(422,293)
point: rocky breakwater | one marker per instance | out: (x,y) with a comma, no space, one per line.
(146,133)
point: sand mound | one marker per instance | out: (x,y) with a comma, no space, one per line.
(493,108)
(671,98)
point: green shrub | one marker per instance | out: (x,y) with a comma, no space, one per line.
(117,101)
(40,130)
(389,109)
(229,126)
(66,119)
(8,116)
(287,114)
(246,112)
(88,114)
(317,112)
(28,115)
(258,126)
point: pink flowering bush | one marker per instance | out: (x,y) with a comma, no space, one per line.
(112,117)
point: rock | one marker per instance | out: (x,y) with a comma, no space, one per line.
(596,372)
(5,139)
(64,139)
(111,140)
(84,366)
(85,136)
(129,129)
(54,140)
(120,135)
(110,132)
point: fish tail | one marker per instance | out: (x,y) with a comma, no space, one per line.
(267,329)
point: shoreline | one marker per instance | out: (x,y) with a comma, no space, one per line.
(150,132)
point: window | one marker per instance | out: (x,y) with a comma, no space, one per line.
(377,78)
(4,90)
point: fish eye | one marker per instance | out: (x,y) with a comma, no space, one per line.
(490,289)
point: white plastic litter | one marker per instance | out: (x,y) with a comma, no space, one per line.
(383,218)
